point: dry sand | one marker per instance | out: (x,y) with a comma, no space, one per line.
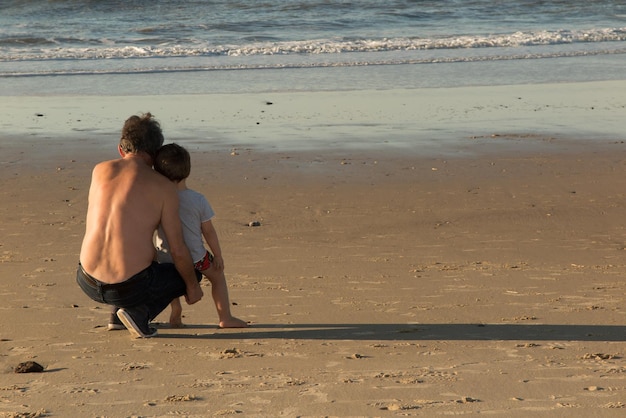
(377,284)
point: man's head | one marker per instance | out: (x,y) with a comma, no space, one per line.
(173,161)
(141,134)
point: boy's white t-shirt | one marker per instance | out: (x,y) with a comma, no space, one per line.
(194,209)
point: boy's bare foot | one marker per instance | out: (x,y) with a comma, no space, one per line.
(233,323)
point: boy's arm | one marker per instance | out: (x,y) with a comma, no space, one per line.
(210,236)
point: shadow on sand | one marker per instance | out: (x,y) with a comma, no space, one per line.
(407,332)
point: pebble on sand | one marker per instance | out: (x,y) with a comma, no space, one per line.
(29,367)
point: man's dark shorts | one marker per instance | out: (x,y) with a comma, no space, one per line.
(156,286)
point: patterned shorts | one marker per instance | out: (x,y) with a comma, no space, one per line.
(205,263)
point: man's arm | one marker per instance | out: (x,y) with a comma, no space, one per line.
(170,222)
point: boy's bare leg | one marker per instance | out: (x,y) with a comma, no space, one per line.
(219,291)
(176,315)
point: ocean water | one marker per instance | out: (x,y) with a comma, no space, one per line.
(223,46)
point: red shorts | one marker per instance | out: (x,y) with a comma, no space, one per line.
(205,263)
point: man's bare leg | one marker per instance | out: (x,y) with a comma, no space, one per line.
(176,314)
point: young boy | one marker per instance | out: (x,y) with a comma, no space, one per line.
(174,162)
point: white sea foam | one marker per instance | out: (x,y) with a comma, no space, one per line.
(109,50)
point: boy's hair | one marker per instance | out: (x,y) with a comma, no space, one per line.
(173,161)
(141,133)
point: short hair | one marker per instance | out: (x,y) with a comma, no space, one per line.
(141,134)
(173,161)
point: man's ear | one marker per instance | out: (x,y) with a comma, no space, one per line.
(119,149)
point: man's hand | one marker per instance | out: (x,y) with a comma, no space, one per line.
(194,294)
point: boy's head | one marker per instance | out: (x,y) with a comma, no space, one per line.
(173,161)
(141,133)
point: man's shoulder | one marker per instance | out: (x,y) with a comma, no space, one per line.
(104,164)
(105,168)
(164,187)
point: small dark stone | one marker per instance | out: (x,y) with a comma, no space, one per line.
(254,223)
(29,367)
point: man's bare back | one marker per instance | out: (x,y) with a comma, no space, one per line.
(126,198)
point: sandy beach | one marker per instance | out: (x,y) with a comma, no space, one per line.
(484,278)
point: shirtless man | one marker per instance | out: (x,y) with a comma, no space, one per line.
(127,202)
